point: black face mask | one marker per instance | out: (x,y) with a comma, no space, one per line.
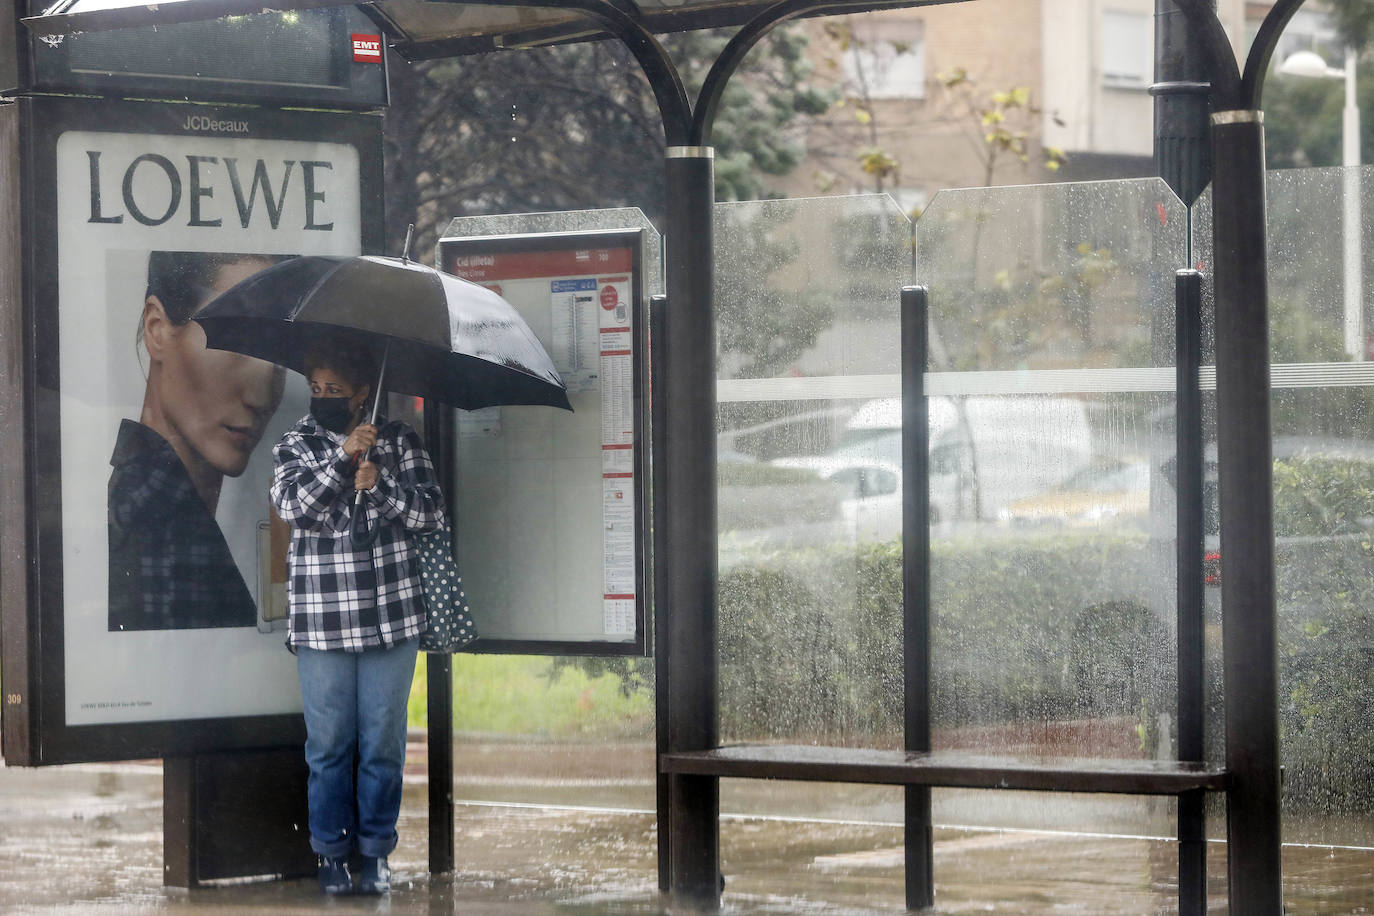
(331,413)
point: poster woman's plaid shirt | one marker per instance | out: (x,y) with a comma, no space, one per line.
(342,596)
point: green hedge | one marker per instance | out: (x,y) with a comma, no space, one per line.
(1039,626)
(1040,629)
(1022,628)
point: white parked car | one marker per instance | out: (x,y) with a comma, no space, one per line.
(986,452)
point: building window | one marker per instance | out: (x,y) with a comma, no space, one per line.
(1127,49)
(886,59)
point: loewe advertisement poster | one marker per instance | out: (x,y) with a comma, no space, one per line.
(173,566)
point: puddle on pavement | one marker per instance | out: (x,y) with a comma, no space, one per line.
(89,839)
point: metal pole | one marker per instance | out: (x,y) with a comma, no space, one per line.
(920,843)
(688,518)
(1192,823)
(439,674)
(658,424)
(1250,656)
(1180,91)
(439,684)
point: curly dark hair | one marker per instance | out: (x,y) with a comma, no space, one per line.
(353,360)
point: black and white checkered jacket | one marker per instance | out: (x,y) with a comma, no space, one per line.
(342,596)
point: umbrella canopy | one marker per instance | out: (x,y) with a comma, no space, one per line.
(444,338)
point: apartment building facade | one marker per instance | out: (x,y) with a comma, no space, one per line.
(1087,66)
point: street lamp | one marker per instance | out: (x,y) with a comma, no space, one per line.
(1311,64)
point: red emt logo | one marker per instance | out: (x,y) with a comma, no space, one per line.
(609,297)
(367,49)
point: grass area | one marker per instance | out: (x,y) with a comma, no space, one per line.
(514,695)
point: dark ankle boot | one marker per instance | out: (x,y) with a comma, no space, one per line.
(334,876)
(376,877)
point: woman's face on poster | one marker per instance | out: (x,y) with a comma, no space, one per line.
(218,401)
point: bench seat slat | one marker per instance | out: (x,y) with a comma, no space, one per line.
(946,769)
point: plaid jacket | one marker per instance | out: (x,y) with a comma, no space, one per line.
(341,596)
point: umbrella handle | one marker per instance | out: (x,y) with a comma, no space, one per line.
(362,536)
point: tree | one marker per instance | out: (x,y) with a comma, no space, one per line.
(1354,21)
(999,124)
(541,129)
(759,127)
(1303,119)
(577,126)
(869,66)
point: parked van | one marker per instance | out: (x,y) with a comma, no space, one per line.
(986,452)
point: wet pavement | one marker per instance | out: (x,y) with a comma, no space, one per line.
(569,830)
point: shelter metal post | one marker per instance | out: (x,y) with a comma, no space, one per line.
(687,517)
(1250,657)
(1192,824)
(658,446)
(920,877)
(1182,154)
(439,677)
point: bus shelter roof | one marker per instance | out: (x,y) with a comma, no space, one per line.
(434,28)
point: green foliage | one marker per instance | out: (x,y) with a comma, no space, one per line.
(778,654)
(1327,698)
(1020,306)
(576,126)
(1005,120)
(1302,117)
(1020,634)
(1322,496)
(763,327)
(635,675)
(1354,21)
(1296,335)
(878,162)
(800,660)
(770,95)
(529,696)
(1326,638)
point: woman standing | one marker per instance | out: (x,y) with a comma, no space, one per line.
(356,611)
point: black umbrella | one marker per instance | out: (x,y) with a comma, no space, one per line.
(440,336)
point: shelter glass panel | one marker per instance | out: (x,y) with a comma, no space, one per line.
(1051,405)
(1323,450)
(808,322)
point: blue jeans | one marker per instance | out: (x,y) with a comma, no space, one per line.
(355,702)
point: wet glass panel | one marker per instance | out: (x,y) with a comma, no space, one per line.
(539,730)
(1323,450)
(1051,422)
(808,325)
(1068,276)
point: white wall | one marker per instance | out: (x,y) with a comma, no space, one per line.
(1101,109)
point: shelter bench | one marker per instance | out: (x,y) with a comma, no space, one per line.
(946,769)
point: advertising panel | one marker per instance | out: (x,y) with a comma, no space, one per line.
(551,507)
(161,567)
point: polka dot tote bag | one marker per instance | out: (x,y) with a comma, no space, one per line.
(450,623)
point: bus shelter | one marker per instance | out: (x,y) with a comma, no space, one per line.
(685,573)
